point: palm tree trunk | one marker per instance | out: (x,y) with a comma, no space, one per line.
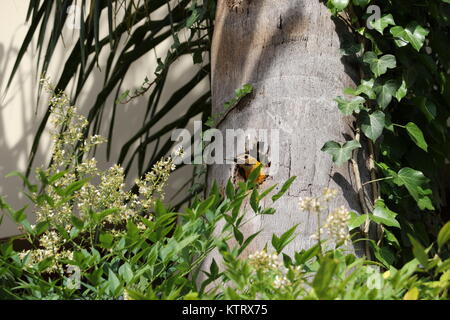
(290,52)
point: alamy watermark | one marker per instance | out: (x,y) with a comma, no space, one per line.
(214,146)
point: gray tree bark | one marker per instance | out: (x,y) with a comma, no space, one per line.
(290,52)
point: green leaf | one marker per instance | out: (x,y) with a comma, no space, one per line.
(106,239)
(373,124)
(324,276)
(205,205)
(391,239)
(419,251)
(74,187)
(356,220)
(44,264)
(238,235)
(366,87)
(305,255)
(126,272)
(247,242)
(99,216)
(427,107)
(417,136)
(349,107)
(254,174)
(284,188)
(413,34)
(416,184)
(382,23)
(341,153)
(254,200)
(20,215)
(267,191)
(229,190)
(114,284)
(382,214)
(268,211)
(77,222)
(444,235)
(385,92)
(280,243)
(379,66)
(402,91)
(193,18)
(41,227)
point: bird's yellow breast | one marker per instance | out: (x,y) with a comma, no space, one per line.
(250,164)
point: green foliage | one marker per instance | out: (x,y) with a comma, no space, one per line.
(97,241)
(341,153)
(333,274)
(94,240)
(401,107)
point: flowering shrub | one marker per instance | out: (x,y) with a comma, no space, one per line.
(94,240)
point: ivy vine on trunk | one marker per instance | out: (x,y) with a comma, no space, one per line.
(402,105)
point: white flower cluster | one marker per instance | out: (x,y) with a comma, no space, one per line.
(337,221)
(281,282)
(337,225)
(153,183)
(315,204)
(103,189)
(261,260)
(310,204)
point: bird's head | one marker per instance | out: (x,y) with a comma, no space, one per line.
(246,163)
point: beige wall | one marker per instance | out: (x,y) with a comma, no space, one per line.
(19,115)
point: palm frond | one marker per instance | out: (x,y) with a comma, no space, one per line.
(129,20)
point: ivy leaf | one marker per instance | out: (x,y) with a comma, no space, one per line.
(385,93)
(415,182)
(417,136)
(379,66)
(402,91)
(356,220)
(388,125)
(341,153)
(365,87)
(413,34)
(382,23)
(428,108)
(373,124)
(349,107)
(382,214)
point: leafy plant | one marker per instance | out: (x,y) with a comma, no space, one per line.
(401,111)
(188,24)
(94,240)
